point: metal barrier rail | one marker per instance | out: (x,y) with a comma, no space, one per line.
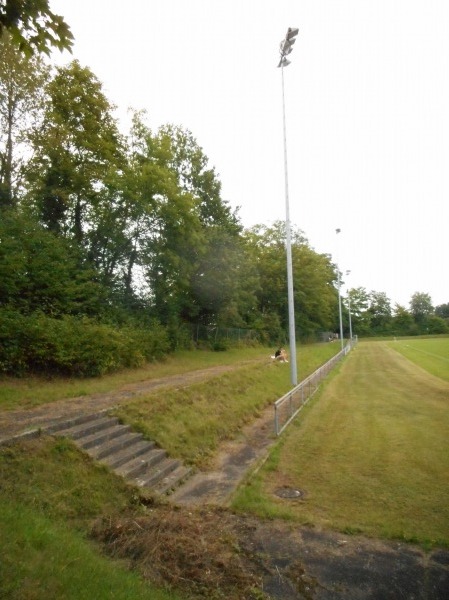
(287,407)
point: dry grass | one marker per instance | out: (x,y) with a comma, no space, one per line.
(195,552)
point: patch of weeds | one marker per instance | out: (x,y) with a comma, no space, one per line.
(197,552)
(352,530)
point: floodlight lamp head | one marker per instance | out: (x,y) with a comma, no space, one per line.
(284,62)
(292,32)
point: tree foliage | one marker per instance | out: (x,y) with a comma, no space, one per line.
(313,275)
(33,26)
(372,315)
(75,150)
(22,82)
(421,306)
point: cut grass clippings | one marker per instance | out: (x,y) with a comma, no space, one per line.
(368,451)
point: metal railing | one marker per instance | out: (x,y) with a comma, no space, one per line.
(287,407)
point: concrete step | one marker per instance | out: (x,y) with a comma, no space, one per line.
(132,450)
(73,421)
(124,451)
(157,473)
(99,437)
(171,481)
(115,445)
(86,428)
(141,464)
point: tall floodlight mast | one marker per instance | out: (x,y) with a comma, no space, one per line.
(286,48)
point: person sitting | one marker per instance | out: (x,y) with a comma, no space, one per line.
(280,355)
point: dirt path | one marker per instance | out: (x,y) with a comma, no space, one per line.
(15,422)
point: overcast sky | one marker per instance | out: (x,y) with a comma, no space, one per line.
(367,97)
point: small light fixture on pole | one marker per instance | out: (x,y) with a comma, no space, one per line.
(339,300)
(349,310)
(285,49)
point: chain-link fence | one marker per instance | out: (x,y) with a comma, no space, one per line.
(213,335)
(226,335)
(287,407)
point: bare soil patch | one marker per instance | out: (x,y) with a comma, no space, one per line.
(212,553)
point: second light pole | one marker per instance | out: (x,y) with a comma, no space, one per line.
(285,49)
(349,310)
(339,299)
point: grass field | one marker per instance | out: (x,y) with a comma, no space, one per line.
(431,354)
(370,453)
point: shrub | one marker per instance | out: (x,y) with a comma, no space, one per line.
(73,346)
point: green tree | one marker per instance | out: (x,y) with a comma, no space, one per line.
(39,272)
(33,26)
(186,238)
(403,322)
(22,81)
(162,226)
(75,152)
(361,318)
(315,296)
(436,325)
(421,307)
(380,312)
(442,310)
(194,176)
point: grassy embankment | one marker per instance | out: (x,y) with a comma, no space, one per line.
(33,391)
(369,450)
(50,493)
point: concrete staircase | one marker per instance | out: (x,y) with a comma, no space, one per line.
(125,452)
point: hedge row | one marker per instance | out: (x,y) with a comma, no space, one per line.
(73,346)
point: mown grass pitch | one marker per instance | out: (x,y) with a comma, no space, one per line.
(431,354)
(370,453)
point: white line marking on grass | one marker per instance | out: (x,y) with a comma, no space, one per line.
(428,353)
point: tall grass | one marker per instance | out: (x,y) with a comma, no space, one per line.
(41,559)
(50,493)
(368,452)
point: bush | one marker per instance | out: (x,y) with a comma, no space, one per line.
(73,346)
(220,346)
